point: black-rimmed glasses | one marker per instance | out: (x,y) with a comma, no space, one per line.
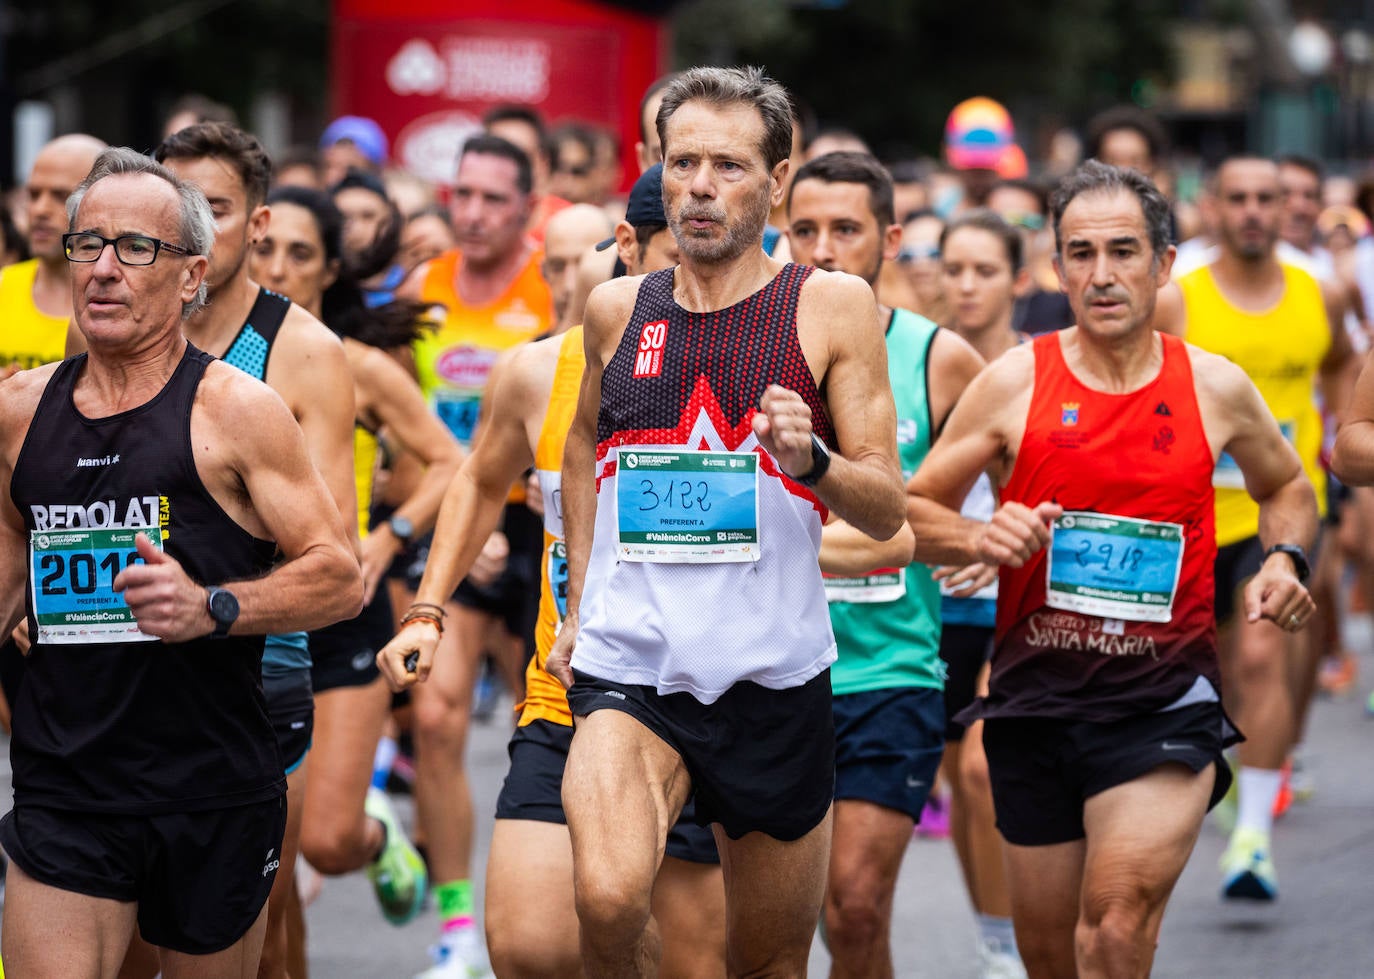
(86,246)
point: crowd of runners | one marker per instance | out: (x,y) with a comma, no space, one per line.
(798,501)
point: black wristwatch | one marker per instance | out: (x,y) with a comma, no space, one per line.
(1296,555)
(223,608)
(401,528)
(820,462)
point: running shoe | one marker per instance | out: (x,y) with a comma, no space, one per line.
(459,954)
(997,962)
(398,874)
(1247,872)
(1338,674)
(934,822)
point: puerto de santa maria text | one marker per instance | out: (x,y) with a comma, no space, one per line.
(679,506)
(73,572)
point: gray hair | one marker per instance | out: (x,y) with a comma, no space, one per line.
(1095,177)
(197,224)
(735,86)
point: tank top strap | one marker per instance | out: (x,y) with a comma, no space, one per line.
(252,346)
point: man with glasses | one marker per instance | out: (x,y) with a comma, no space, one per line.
(148,789)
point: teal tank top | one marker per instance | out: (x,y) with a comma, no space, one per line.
(286,652)
(887,624)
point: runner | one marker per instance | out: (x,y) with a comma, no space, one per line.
(346,825)
(527,409)
(206,469)
(1282,328)
(490,297)
(982,269)
(1103,730)
(888,706)
(728,352)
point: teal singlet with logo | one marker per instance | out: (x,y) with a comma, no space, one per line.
(896,643)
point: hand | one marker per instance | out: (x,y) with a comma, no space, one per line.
(967,581)
(1015,532)
(559,662)
(1276,594)
(379,548)
(534,495)
(417,637)
(783,427)
(491,562)
(165,601)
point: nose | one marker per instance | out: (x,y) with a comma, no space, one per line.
(702,184)
(966,280)
(107,264)
(824,253)
(276,265)
(1103,275)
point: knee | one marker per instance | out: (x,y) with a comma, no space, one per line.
(1114,928)
(1258,660)
(856,915)
(611,907)
(973,775)
(517,953)
(441,721)
(332,847)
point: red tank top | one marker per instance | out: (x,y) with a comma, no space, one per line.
(1142,455)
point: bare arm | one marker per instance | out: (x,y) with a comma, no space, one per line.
(608,310)
(249,447)
(1234,413)
(1171,314)
(1353,459)
(310,371)
(951,367)
(19,397)
(392,399)
(471,509)
(982,435)
(849,552)
(838,326)
(1340,367)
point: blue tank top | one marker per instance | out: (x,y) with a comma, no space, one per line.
(286,652)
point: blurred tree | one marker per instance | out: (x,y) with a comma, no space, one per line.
(892,69)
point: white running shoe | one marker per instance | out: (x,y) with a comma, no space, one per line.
(459,954)
(997,962)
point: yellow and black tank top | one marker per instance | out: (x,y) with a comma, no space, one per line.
(1281,349)
(29,337)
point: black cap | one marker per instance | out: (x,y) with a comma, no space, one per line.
(645,205)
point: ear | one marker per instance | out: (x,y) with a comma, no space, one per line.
(892,242)
(1059,271)
(331,272)
(779,176)
(192,276)
(625,245)
(1166,266)
(1021,283)
(258,220)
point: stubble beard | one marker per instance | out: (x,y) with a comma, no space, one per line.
(739,236)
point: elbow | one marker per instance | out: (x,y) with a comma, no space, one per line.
(1343,464)
(344,582)
(889,518)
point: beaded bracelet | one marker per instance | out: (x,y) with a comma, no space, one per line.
(439,609)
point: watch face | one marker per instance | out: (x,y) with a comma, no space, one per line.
(402,527)
(224,607)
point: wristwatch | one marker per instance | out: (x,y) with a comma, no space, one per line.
(401,528)
(1296,555)
(820,462)
(223,608)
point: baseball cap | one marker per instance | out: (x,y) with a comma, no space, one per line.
(362,132)
(645,205)
(978,134)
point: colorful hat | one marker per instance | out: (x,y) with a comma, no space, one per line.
(978,134)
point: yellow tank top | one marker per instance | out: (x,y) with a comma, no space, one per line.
(28,336)
(366,448)
(1281,350)
(545,698)
(452,362)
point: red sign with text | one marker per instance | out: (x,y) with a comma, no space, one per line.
(428,70)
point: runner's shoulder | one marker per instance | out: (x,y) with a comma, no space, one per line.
(609,306)
(840,288)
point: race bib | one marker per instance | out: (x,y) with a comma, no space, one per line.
(557,562)
(458,411)
(1227,474)
(73,574)
(1113,567)
(682,506)
(883,585)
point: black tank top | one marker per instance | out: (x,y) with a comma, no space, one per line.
(137,727)
(655,380)
(253,344)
